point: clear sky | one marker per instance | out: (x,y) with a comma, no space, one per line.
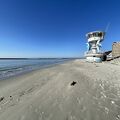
(55,28)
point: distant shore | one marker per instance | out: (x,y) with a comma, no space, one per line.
(74,90)
(36,58)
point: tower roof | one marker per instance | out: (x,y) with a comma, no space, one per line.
(95,32)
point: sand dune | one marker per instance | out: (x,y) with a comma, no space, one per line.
(75,90)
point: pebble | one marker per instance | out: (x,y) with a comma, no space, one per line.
(106,110)
(118,117)
(113,102)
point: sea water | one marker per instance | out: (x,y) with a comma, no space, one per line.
(12,67)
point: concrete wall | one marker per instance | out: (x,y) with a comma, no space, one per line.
(116,49)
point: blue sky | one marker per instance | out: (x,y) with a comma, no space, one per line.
(55,28)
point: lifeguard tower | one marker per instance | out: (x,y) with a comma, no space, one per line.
(94,53)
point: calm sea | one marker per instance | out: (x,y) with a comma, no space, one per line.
(12,67)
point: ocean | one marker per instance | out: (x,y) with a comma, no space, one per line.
(12,67)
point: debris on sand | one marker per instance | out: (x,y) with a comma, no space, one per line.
(1,99)
(73,83)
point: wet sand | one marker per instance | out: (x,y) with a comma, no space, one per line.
(75,90)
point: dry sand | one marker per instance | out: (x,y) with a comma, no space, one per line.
(49,95)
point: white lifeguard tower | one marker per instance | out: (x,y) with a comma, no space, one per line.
(94,53)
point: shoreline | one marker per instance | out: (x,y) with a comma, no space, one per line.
(28,71)
(74,90)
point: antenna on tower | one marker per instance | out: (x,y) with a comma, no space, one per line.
(107,27)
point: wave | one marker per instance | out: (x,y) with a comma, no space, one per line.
(15,67)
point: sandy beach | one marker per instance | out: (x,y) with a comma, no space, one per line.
(75,90)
